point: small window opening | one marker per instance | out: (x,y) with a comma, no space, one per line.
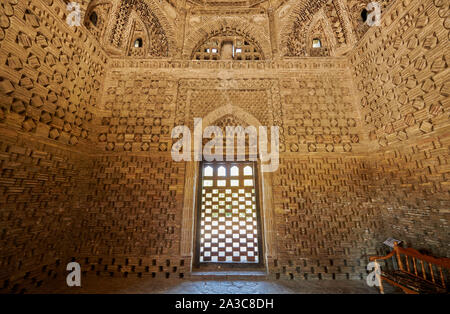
(364,14)
(317,43)
(138,43)
(93,18)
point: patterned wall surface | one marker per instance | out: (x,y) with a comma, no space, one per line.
(411,187)
(320,115)
(132,210)
(85,136)
(326,224)
(41,188)
(403,75)
(138,112)
(401,70)
(49,79)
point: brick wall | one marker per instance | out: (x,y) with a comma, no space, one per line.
(327,224)
(40,188)
(86,173)
(401,70)
(132,216)
(49,79)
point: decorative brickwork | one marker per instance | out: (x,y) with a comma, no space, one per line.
(402,80)
(411,187)
(49,77)
(320,115)
(137,113)
(326,224)
(40,191)
(86,114)
(401,70)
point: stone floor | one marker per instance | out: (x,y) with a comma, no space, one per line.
(106,285)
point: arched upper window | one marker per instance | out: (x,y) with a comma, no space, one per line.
(208,171)
(221,172)
(228,47)
(138,43)
(93,18)
(317,43)
(234,171)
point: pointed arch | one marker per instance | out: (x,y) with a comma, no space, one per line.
(328,40)
(293,29)
(191,188)
(236,111)
(204,31)
(158,26)
(97,26)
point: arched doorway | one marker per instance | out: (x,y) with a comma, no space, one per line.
(194,190)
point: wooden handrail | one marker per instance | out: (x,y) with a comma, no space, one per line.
(422,258)
(374,258)
(443,262)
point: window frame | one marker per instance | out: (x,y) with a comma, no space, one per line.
(197,225)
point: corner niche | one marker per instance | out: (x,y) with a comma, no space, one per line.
(138,43)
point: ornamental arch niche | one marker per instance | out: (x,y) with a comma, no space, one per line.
(142,18)
(97,18)
(223,27)
(293,30)
(220,117)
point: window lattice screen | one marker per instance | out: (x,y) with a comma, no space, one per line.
(228,217)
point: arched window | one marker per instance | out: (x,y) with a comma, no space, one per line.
(228,46)
(221,172)
(138,43)
(93,18)
(208,171)
(317,43)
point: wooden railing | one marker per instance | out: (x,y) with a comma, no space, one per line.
(427,268)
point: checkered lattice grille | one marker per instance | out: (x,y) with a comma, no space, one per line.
(228,222)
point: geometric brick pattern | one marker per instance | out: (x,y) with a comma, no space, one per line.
(198,97)
(138,113)
(403,79)
(134,207)
(319,115)
(40,186)
(64,92)
(49,79)
(326,222)
(412,189)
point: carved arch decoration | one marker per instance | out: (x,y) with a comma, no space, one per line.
(102,10)
(320,28)
(218,117)
(342,16)
(235,35)
(293,30)
(238,25)
(160,32)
